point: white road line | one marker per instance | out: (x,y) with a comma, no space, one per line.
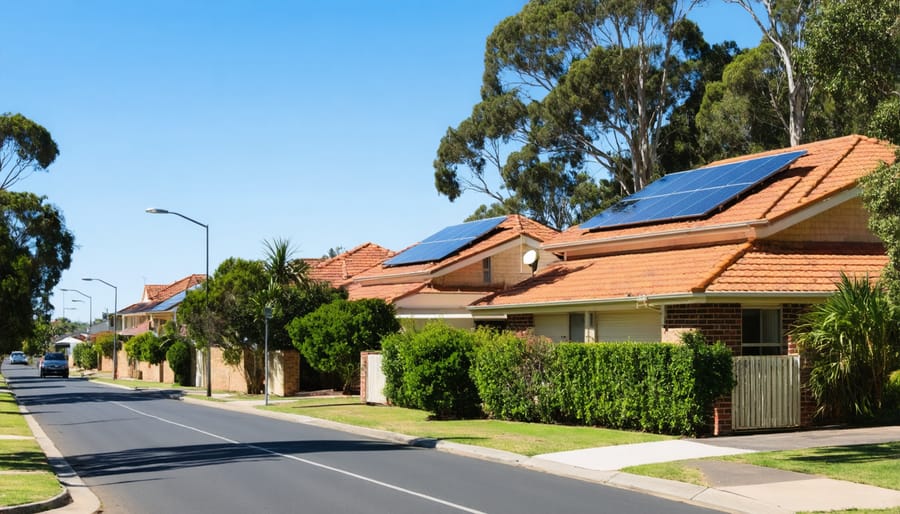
(309,462)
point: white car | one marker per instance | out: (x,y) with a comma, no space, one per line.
(18,358)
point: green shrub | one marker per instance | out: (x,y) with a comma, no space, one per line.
(85,356)
(103,345)
(513,376)
(392,367)
(656,387)
(891,391)
(435,364)
(179,357)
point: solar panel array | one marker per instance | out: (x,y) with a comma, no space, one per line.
(691,194)
(445,242)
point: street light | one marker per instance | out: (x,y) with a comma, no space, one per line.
(154,210)
(115,323)
(267,313)
(90,308)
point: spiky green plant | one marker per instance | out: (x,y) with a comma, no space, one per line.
(851,341)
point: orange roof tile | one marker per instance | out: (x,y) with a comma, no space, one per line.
(340,269)
(621,276)
(513,227)
(168,291)
(829,167)
(813,268)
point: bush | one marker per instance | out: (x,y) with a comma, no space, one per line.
(430,371)
(103,345)
(85,356)
(392,367)
(179,357)
(656,387)
(891,391)
(513,376)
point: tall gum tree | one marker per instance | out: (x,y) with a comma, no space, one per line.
(25,147)
(583,85)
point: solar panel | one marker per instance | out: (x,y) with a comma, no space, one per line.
(445,242)
(691,194)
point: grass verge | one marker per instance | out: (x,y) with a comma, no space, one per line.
(25,476)
(523,438)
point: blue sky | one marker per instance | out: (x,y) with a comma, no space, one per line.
(314,121)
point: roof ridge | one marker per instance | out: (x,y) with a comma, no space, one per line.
(723,265)
(827,170)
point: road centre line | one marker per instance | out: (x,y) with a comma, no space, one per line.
(309,462)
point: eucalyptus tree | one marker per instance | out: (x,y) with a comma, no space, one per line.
(782,23)
(571,87)
(25,147)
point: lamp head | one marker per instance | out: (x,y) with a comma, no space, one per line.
(154,210)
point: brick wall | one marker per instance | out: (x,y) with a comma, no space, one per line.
(520,322)
(716,321)
(789,315)
(845,223)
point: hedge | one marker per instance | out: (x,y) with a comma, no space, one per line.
(658,387)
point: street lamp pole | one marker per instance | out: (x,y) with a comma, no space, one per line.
(267,313)
(115,324)
(90,309)
(154,210)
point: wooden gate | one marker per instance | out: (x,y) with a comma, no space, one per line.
(767,394)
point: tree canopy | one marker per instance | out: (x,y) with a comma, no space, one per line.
(25,147)
(571,87)
(35,248)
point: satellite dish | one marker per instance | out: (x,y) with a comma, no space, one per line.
(531,259)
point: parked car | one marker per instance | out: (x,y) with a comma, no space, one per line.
(54,363)
(18,358)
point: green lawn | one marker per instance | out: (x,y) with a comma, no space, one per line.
(26,476)
(872,464)
(523,438)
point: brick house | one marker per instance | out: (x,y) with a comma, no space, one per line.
(741,273)
(437,278)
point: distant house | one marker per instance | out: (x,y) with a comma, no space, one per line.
(738,249)
(437,278)
(340,269)
(158,305)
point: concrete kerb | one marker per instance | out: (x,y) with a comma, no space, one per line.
(670,489)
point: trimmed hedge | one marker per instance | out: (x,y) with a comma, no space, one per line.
(658,387)
(179,358)
(85,356)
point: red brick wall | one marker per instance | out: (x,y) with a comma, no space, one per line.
(789,315)
(519,322)
(716,321)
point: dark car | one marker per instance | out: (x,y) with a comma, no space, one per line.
(18,358)
(54,363)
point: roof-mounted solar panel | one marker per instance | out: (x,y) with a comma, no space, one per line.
(445,242)
(691,194)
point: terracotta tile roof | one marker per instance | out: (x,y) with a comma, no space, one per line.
(156,294)
(631,275)
(513,227)
(387,292)
(771,267)
(339,270)
(829,167)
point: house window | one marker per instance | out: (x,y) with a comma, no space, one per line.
(761,332)
(576,327)
(486,270)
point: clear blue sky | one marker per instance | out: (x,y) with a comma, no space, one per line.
(315,121)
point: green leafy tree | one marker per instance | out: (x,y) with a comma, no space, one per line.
(852,341)
(881,197)
(332,337)
(179,356)
(570,87)
(35,248)
(25,147)
(853,51)
(782,23)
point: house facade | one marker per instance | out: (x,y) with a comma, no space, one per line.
(157,306)
(741,273)
(439,277)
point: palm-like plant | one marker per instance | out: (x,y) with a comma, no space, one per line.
(851,340)
(280,264)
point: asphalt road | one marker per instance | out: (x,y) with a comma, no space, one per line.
(144,452)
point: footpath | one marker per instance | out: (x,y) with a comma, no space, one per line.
(737,488)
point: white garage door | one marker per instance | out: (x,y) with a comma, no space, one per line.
(644,325)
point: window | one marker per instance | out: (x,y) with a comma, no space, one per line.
(486,270)
(761,332)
